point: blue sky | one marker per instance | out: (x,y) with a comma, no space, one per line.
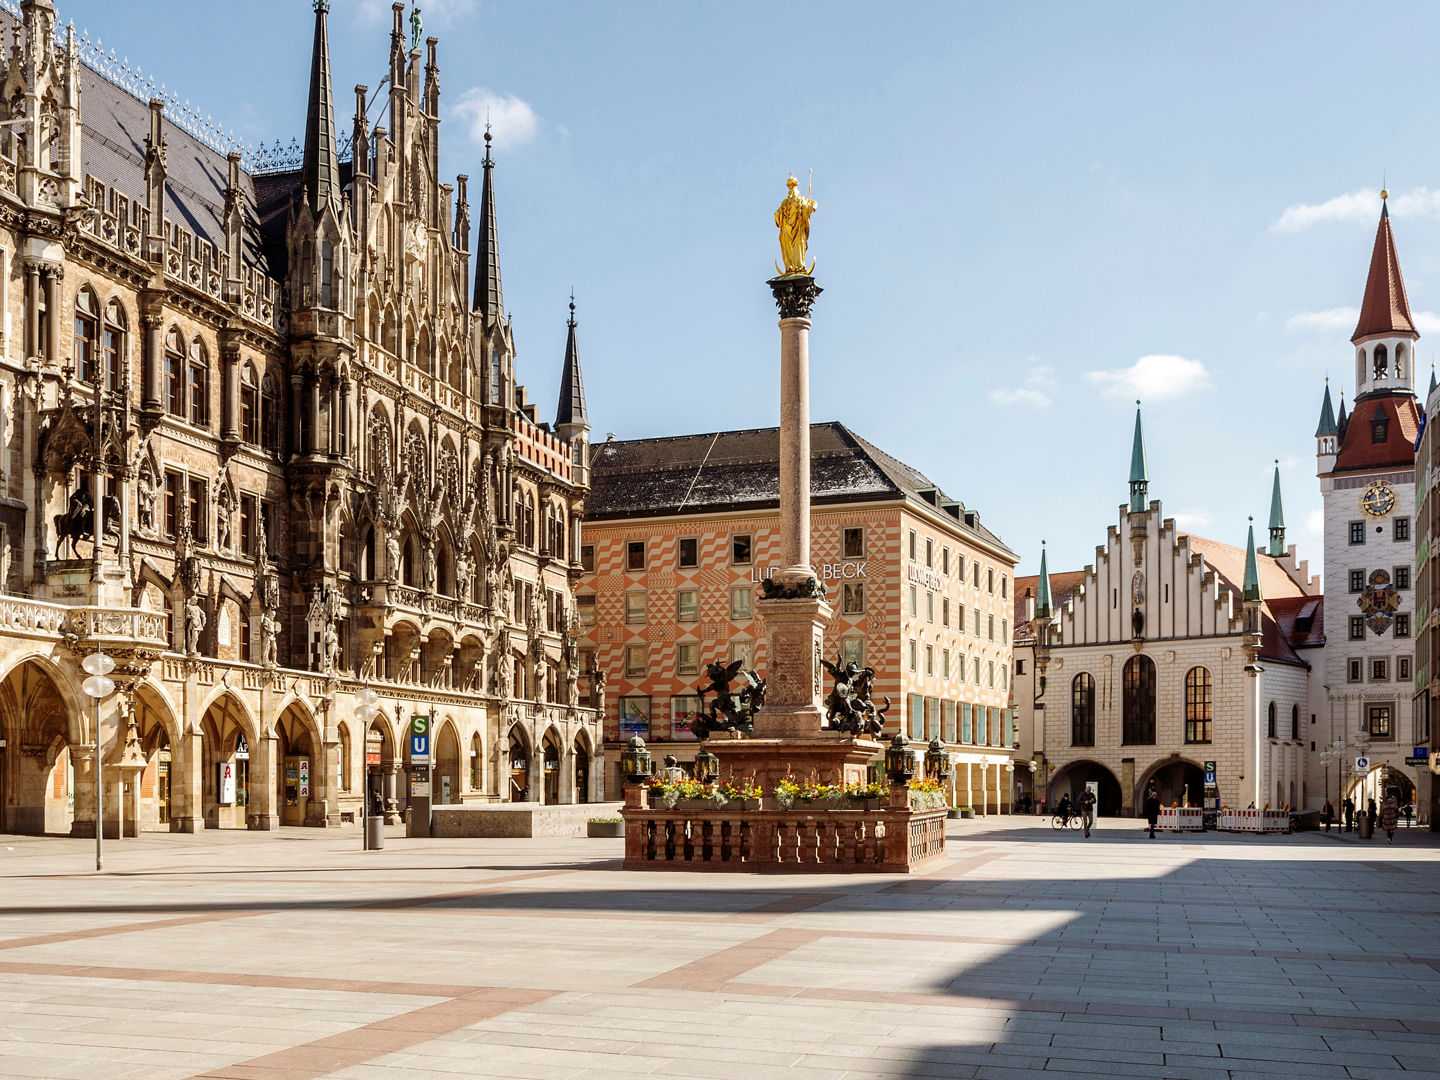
(1018,204)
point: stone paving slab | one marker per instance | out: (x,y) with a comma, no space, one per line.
(294,956)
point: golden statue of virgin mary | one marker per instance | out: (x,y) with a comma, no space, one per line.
(793,220)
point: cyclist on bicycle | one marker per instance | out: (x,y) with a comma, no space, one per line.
(1064,809)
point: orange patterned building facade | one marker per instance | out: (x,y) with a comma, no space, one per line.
(680,531)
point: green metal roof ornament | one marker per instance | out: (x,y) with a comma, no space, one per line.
(1252,568)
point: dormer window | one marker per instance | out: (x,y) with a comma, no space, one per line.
(1378,427)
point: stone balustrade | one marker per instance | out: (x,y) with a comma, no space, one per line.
(896,841)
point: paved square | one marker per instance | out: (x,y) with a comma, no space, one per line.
(293,955)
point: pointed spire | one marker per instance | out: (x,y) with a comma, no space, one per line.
(1044,607)
(1385,309)
(1277,517)
(1139,475)
(1432,377)
(1327,416)
(1343,421)
(571,410)
(320,167)
(488,300)
(1252,568)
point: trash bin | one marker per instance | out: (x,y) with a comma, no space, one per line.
(375,832)
(1363,826)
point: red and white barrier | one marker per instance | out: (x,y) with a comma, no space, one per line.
(1261,821)
(1181,818)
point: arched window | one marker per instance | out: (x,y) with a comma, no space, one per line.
(1382,362)
(1082,710)
(198,385)
(477,765)
(1399,361)
(1138,725)
(175,374)
(1270,725)
(87,337)
(249,405)
(345,763)
(1294,721)
(1199,705)
(113,345)
(495,376)
(408,574)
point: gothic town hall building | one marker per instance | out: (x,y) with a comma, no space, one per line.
(297,433)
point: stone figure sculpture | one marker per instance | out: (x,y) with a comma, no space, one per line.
(194,624)
(269,628)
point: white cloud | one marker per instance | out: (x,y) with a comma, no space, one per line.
(1152,378)
(1339,318)
(512,121)
(434,13)
(1344,318)
(1193,519)
(1358,207)
(1034,391)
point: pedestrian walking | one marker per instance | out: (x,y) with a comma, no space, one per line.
(1409,814)
(1371,814)
(1327,814)
(1152,810)
(1349,805)
(1087,810)
(1390,817)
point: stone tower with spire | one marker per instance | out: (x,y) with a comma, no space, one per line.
(1366,466)
(572,422)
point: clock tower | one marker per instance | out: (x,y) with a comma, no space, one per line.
(1366,466)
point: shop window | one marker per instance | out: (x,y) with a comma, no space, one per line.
(683,709)
(635,716)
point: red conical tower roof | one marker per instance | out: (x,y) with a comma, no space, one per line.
(1385,310)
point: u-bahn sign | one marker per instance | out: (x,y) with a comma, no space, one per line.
(420,739)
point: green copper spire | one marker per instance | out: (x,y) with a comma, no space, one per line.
(1252,568)
(1139,475)
(1044,608)
(1327,416)
(1277,518)
(1432,376)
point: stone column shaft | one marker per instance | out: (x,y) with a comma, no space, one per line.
(795,448)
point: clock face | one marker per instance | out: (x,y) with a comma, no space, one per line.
(1378,499)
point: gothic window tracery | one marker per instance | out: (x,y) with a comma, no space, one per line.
(112,350)
(1139,701)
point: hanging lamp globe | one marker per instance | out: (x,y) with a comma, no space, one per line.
(899,761)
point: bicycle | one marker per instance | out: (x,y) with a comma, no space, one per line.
(1060,821)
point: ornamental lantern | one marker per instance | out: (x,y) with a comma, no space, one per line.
(899,761)
(707,766)
(937,761)
(635,761)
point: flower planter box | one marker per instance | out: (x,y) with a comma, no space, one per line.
(612,829)
(695,804)
(743,804)
(967,813)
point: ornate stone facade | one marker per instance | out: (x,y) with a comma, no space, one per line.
(306,451)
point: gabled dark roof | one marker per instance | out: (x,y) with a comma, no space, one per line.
(740,470)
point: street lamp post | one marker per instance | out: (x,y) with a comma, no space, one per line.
(98,687)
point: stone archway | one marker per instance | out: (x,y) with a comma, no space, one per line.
(445,780)
(37,771)
(163,796)
(582,779)
(231,769)
(1176,780)
(518,766)
(552,757)
(300,780)
(1072,778)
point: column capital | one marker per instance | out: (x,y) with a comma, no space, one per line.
(794,294)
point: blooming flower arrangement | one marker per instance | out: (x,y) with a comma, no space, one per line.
(926,794)
(670,792)
(741,789)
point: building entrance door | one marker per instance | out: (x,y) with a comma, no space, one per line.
(296,790)
(162,787)
(582,775)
